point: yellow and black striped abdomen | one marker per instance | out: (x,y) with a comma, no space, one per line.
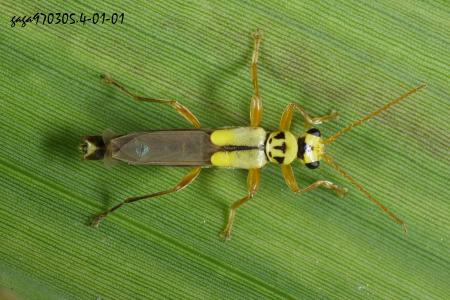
(241,147)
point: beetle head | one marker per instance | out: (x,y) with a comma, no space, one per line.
(310,148)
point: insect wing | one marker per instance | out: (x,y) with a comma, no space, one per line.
(174,147)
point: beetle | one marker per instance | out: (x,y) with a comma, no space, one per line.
(250,147)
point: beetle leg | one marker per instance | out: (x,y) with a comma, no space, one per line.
(286,118)
(256,107)
(253,179)
(180,108)
(289,178)
(185,181)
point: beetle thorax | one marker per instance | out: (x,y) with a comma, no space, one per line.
(281,147)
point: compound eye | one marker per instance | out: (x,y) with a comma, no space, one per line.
(314,131)
(313,165)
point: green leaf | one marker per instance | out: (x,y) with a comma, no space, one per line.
(350,56)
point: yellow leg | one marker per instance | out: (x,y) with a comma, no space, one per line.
(185,181)
(289,178)
(286,118)
(256,107)
(180,108)
(253,179)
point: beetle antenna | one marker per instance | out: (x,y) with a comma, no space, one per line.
(385,107)
(341,171)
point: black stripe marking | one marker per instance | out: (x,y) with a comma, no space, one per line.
(282,147)
(301,147)
(239,148)
(267,137)
(280,136)
(279,159)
